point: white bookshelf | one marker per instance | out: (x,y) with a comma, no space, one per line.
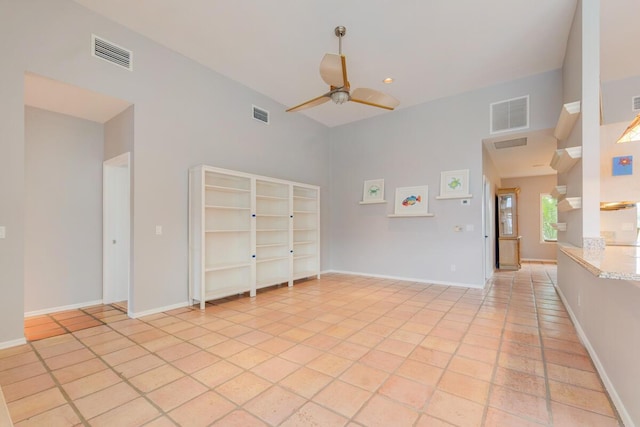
(247,232)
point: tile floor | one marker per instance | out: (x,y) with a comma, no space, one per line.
(343,350)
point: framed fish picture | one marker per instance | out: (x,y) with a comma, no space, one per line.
(412,200)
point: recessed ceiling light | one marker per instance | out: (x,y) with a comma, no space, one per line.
(388,80)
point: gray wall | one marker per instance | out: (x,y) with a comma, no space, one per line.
(411,147)
(63,211)
(529,215)
(119,134)
(185,115)
(616,99)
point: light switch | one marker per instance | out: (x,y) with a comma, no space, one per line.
(158,230)
(3,232)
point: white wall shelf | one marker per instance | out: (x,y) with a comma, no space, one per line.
(567,120)
(560,226)
(377,202)
(409,215)
(457,196)
(569,204)
(565,158)
(559,191)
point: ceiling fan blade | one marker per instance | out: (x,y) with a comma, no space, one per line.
(374,98)
(311,103)
(333,70)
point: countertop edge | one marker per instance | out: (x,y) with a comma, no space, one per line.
(591,261)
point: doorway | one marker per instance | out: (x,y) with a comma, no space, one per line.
(116,254)
(487,225)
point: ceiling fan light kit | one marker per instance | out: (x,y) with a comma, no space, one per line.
(333,70)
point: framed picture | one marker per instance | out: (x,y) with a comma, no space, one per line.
(454,184)
(412,200)
(373,191)
(622,165)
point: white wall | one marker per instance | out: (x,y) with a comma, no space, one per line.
(616,99)
(63,210)
(185,115)
(606,315)
(622,187)
(119,134)
(529,215)
(411,147)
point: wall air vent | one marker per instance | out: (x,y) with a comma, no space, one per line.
(635,103)
(518,142)
(260,114)
(508,115)
(103,49)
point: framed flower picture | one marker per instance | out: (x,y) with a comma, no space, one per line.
(622,165)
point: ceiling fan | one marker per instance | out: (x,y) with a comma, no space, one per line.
(333,70)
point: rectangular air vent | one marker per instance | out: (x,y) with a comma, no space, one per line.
(518,142)
(511,114)
(103,49)
(635,103)
(261,114)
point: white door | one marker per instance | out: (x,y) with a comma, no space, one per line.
(116,229)
(487,225)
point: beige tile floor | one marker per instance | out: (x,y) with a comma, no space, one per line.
(343,350)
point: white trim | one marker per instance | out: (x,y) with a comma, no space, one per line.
(615,398)
(12,343)
(407,279)
(549,261)
(62,308)
(158,310)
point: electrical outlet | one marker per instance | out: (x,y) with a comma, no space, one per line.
(158,230)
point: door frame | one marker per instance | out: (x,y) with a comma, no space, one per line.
(487,229)
(110,168)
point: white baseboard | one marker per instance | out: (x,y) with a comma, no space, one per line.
(62,308)
(407,279)
(547,261)
(12,343)
(622,411)
(158,310)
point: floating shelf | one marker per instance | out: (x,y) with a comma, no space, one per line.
(560,226)
(565,158)
(569,204)
(409,215)
(567,120)
(559,191)
(373,203)
(459,196)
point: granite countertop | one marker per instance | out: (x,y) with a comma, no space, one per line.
(612,262)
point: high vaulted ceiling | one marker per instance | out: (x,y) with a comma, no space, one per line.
(432,49)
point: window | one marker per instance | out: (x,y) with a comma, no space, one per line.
(548,216)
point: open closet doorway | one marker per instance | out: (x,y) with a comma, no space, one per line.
(116,230)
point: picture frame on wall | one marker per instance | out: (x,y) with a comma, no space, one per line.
(454,184)
(622,165)
(412,201)
(373,191)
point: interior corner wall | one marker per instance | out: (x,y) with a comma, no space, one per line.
(410,147)
(617,97)
(531,187)
(118,134)
(571,92)
(63,210)
(185,114)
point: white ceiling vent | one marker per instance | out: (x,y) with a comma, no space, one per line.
(518,142)
(635,103)
(511,114)
(104,49)
(261,114)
